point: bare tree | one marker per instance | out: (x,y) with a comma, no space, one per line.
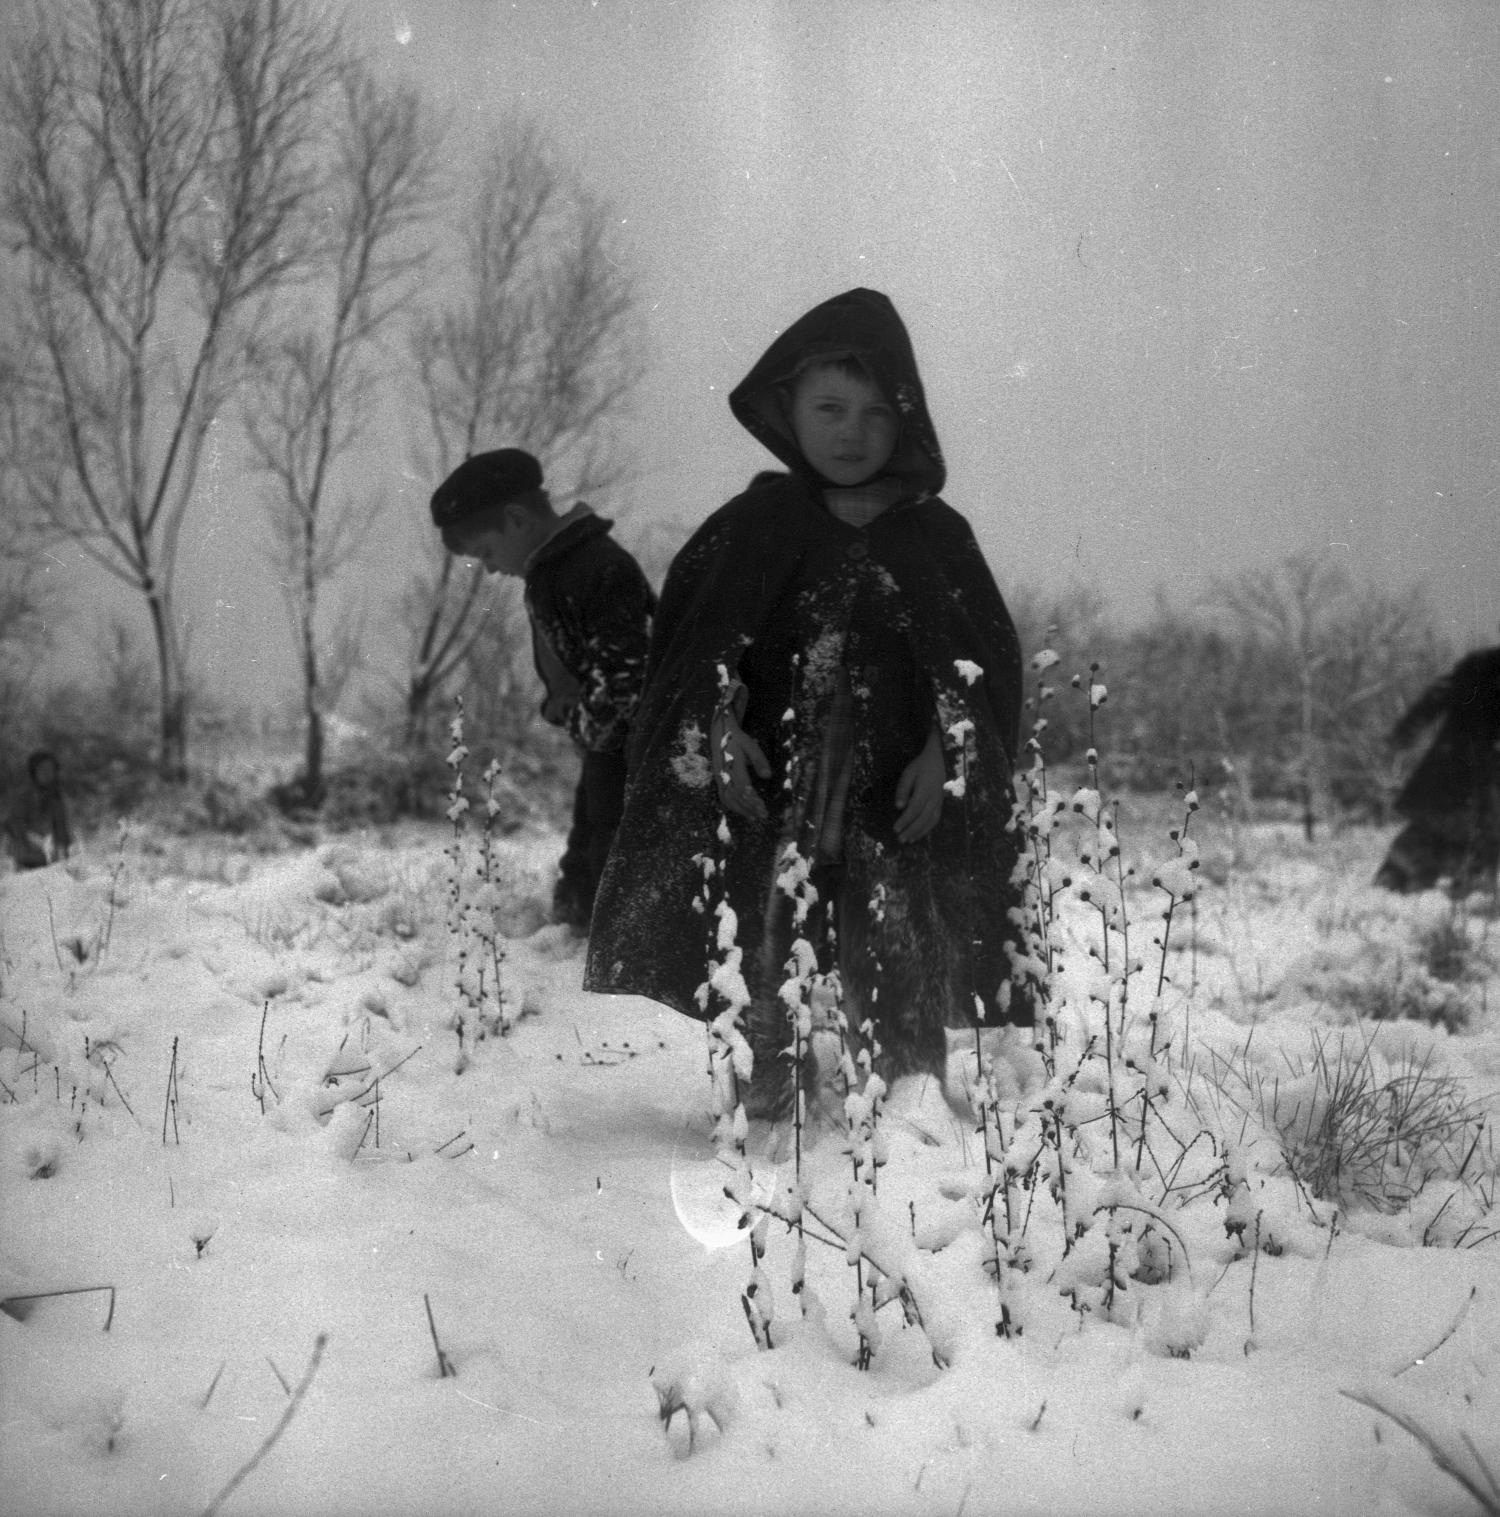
(1291,607)
(536,349)
(25,628)
(1345,655)
(313,393)
(1386,651)
(123,668)
(1186,695)
(158,158)
(24,594)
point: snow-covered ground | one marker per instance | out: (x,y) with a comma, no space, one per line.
(553,1216)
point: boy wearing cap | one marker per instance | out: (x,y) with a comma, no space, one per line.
(590,610)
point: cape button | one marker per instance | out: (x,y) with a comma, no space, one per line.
(859,550)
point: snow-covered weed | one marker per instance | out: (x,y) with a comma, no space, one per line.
(1130,1164)
(474,898)
(697,1386)
(81,949)
(409,909)
(281,927)
(1081,1155)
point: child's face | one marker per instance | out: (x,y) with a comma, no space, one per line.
(502,548)
(844,425)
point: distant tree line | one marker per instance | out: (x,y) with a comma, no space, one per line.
(1281,682)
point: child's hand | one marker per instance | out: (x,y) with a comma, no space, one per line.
(556,709)
(736,756)
(919,792)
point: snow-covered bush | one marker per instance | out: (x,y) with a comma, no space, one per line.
(474,900)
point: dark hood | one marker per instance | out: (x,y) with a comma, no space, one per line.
(864,324)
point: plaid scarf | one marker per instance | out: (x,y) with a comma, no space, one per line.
(861,505)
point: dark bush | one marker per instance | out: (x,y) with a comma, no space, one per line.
(376,787)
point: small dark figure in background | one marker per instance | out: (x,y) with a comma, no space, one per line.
(36,826)
(1452,800)
(590,610)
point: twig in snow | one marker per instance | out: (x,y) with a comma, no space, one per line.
(385,1074)
(56,951)
(109,1075)
(169,1108)
(445,1368)
(1161,1221)
(261,1081)
(282,1378)
(76,1290)
(23,1043)
(277,1431)
(1452,1328)
(213,1385)
(105,933)
(1488,1499)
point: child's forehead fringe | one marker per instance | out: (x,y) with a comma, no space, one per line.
(849,365)
(843,363)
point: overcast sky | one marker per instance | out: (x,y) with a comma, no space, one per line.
(1191,285)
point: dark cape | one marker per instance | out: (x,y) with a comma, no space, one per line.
(774,590)
(1452,798)
(1461,765)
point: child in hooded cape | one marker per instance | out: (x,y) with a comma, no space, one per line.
(832,671)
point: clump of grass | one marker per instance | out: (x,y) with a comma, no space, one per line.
(1355,1131)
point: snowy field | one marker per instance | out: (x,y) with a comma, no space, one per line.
(519,1287)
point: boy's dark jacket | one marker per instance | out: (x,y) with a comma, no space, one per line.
(774,572)
(590,611)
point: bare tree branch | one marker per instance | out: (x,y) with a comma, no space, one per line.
(159,157)
(312,396)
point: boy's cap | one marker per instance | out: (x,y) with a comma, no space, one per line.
(486,479)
